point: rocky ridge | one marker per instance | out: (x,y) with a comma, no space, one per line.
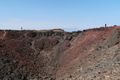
(91,54)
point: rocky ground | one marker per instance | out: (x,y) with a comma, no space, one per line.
(92,54)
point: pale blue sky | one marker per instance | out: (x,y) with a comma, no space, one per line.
(66,14)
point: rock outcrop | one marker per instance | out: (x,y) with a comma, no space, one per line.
(92,54)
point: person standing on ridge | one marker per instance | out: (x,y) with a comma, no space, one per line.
(21,28)
(105,25)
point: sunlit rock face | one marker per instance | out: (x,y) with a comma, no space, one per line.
(92,54)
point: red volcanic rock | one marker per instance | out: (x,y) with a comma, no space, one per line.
(91,54)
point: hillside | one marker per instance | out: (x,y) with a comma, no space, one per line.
(92,54)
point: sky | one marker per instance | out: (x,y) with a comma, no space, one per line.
(66,14)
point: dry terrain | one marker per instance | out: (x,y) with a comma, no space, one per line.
(92,54)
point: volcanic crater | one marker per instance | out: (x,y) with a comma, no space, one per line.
(92,54)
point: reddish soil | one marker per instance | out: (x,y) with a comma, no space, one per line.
(54,54)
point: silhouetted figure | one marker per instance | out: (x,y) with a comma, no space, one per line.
(21,28)
(105,25)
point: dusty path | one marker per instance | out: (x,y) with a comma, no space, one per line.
(4,34)
(33,47)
